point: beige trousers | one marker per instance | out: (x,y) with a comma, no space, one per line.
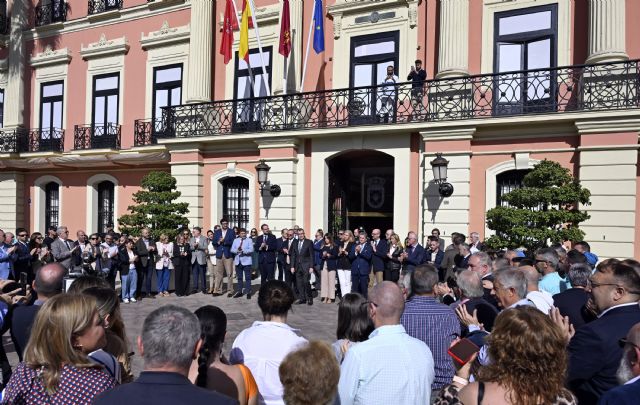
(327,283)
(223,265)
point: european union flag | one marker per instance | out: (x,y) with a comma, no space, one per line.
(318,27)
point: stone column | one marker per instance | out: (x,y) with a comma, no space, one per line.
(453,56)
(200,48)
(12,203)
(606,31)
(14,109)
(187,168)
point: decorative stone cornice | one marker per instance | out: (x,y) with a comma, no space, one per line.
(264,15)
(277,143)
(165,36)
(105,47)
(50,57)
(347,7)
(602,126)
(448,134)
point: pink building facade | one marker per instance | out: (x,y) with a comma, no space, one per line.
(96,94)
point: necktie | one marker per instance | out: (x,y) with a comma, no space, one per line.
(66,242)
(264,239)
(300,242)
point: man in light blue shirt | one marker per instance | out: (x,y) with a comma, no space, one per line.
(7,256)
(242,248)
(391,367)
(547,263)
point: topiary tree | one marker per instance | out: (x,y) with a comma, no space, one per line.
(155,207)
(545,210)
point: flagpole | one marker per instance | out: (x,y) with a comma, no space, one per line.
(255,27)
(306,56)
(235,10)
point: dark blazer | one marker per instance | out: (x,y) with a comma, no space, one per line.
(162,388)
(143,253)
(281,244)
(302,259)
(331,259)
(179,260)
(317,252)
(379,258)
(439,257)
(594,353)
(623,395)
(21,322)
(269,255)
(487,312)
(415,257)
(223,247)
(344,262)
(394,262)
(123,259)
(361,263)
(572,303)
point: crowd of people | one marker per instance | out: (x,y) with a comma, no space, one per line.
(445,324)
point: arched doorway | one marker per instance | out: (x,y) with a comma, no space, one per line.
(361,190)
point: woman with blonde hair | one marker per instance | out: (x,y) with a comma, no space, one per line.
(345,245)
(56,367)
(394,264)
(164,265)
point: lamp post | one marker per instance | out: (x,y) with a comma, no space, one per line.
(262,169)
(439,165)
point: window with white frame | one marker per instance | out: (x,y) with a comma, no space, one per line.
(235,201)
(106,90)
(251,82)
(51,104)
(167,90)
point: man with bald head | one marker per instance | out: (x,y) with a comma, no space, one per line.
(628,372)
(391,367)
(541,299)
(47,284)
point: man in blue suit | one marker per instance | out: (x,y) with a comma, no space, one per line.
(414,253)
(434,256)
(266,247)
(360,257)
(282,244)
(243,249)
(379,258)
(594,352)
(628,372)
(222,240)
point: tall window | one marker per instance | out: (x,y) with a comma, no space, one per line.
(249,111)
(1,108)
(51,204)
(105,205)
(525,39)
(106,89)
(167,90)
(51,96)
(507,182)
(235,201)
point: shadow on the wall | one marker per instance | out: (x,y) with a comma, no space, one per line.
(434,200)
(267,199)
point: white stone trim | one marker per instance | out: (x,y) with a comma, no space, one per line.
(217,192)
(39,202)
(491,7)
(105,47)
(50,57)
(165,36)
(92,199)
(491,184)
(50,66)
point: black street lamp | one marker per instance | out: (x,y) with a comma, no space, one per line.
(439,166)
(262,169)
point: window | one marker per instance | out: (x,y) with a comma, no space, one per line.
(525,40)
(235,201)
(106,90)
(51,204)
(507,182)
(249,112)
(167,90)
(51,99)
(105,205)
(1,108)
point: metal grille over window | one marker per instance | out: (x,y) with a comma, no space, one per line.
(52,204)
(235,205)
(507,182)
(105,205)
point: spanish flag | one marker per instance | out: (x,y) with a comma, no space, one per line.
(243,50)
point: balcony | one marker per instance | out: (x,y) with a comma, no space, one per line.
(10,141)
(42,140)
(147,131)
(99,136)
(101,6)
(601,87)
(55,11)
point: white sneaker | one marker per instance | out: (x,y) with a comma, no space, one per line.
(126,300)
(133,300)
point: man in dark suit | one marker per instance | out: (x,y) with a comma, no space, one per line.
(146,251)
(594,352)
(266,245)
(628,372)
(302,266)
(434,256)
(481,264)
(414,253)
(222,240)
(573,302)
(380,248)
(281,256)
(360,257)
(47,284)
(290,277)
(166,364)
(22,264)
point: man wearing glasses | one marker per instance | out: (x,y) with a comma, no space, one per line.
(547,263)
(222,240)
(22,264)
(6,257)
(63,248)
(594,352)
(628,372)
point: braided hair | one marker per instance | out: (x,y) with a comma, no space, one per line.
(213,327)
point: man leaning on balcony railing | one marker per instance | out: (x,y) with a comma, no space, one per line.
(418,76)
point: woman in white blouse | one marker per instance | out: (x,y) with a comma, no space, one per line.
(164,264)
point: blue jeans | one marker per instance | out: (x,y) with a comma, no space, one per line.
(162,277)
(198,272)
(129,283)
(244,271)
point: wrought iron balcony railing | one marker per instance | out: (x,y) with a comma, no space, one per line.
(147,131)
(98,136)
(55,11)
(612,86)
(42,140)
(100,6)
(8,141)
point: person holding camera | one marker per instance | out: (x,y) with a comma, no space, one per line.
(418,76)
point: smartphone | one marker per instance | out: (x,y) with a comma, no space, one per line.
(463,351)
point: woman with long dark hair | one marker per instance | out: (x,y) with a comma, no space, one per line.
(354,324)
(182,265)
(235,381)
(329,265)
(40,254)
